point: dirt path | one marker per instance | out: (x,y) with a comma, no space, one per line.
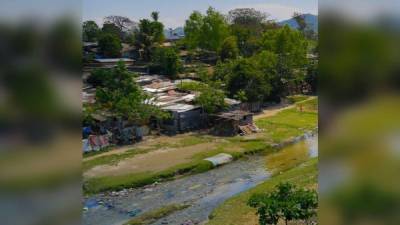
(153,161)
(271,111)
(145,144)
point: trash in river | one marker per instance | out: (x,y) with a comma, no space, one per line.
(134,212)
(91,203)
(169,195)
(108,206)
(220,159)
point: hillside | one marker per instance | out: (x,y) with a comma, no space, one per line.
(311,20)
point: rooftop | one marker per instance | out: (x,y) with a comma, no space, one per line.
(113,60)
(180,107)
(234,115)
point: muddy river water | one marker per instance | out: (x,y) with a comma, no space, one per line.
(203,192)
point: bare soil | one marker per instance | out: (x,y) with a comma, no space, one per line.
(153,161)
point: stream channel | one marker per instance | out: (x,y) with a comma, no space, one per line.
(203,192)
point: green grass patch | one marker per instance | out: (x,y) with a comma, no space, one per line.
(296,98)
(192,86)
(235,211)
(289,123)
(192,140)
(153,216)
(116,183)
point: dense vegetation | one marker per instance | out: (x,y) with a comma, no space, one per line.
(286,202)
(256,59)
(118,94)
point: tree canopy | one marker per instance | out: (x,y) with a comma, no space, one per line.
(167,61)
(110,45)
(247,17)
(229,49)
(286,202)
(247,25)
(290,47)
(123,23)
(206,31)
(90,31)
(245,76)
(150,33)
(110,28)
(211,99)
(118,94)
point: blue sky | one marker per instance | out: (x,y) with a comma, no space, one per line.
(174,12)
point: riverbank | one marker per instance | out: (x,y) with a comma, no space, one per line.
(277,130)
(235,210)
(201,193)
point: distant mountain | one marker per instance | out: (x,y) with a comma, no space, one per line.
(311,21)
(176,33)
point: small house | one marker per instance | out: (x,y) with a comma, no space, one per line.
(112,62)
(230,123)
(184,117)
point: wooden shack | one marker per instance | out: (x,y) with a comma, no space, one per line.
(228,123)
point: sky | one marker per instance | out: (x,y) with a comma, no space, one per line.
(173,13)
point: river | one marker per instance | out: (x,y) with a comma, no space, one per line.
(203,192)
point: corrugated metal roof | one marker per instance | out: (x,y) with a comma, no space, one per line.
(112,60)
(180,107)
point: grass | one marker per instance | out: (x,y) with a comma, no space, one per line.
(285,125)
(116,183)
(153,216)
(192,86)
(296,98)
(290,123)
(111,159)
(235,211)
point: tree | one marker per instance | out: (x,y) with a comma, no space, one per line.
(123,23)
(149,34)
(247,26)
(286,202)
(266,62)
(290,47)
(119,95)
(303,26)
(312,76)
(211,99)
(167,61)
(300,20)
(155,15)
(245,77)
(229,49)
(192,29)
(110,28)
(214,30)
(206,31)
(110,45)
(247,17)
(90,31)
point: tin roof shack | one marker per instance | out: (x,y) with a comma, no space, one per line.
(112,62)
(232,104)
(184,117)
(229,123)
